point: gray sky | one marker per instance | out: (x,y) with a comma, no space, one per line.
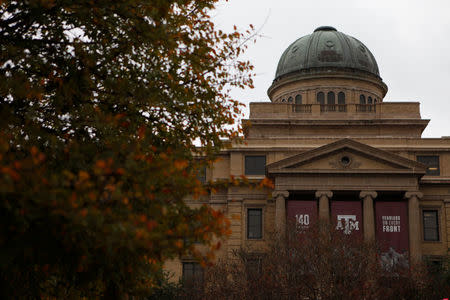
(410,40)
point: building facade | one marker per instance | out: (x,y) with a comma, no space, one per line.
(335,150)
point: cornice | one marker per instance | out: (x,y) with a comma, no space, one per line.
(435,180)
(328,122)
(302,149)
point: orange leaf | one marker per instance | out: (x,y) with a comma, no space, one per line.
(180,164)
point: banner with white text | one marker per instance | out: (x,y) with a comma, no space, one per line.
(302,213)
(391,219)
(347,217)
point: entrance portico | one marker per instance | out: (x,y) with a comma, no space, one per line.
(363,189)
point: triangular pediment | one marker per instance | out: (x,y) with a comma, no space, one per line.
(346,156)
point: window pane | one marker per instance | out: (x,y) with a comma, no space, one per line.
(192,273)
(430,225)
(430,234)
(201,174)
(434,265)
(188,271)
(362,99)
(321,98)
(255,165)
(341,98)
(369,100)
(432,163)
(254,223)
(331,98)
(253,267)
(298,99)
(290,99)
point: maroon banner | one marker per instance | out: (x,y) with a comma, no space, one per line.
(302,213)
(347,216)
(392,225)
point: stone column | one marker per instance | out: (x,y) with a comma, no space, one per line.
(280,210)
(415,247)
(324,205)
(368,214)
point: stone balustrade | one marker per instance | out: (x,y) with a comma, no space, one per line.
(383,110)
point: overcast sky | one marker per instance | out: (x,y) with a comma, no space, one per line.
(410,40)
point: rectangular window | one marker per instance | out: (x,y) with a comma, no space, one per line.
(434,264)
(255,165)
(430,225)
(192,274)
(432,163)
(201,174)
(254,223)
(253,268)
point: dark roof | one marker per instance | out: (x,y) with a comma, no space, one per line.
(326,47)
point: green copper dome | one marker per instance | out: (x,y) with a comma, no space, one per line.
(326,48)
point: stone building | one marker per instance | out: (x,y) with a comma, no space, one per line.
(335,150)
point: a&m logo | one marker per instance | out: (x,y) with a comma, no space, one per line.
(347,223)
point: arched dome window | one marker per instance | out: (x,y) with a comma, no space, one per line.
(320,98)
(290,99)
(331,98)
(284,100)
(362,99)
(298,99)
(369,100)
(341,98)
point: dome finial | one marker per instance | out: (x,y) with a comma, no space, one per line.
(325,28)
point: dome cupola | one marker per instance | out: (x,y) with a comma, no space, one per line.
(327,60)
(324,48)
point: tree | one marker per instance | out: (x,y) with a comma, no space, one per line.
(102,106)
(318,263)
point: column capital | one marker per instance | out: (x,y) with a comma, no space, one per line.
(411,194)
(276,194)
(371,194)
(319,194)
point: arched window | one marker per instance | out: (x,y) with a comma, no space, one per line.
(320,98)
(362,99)
(374,100)
(331,98)
(369,100)
(284,100)
(290,99)
(341,98)
(298,99)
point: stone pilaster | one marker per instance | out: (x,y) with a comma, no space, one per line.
(447,220)
(368,214)
(415,247)
(280,210)
(324,204)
